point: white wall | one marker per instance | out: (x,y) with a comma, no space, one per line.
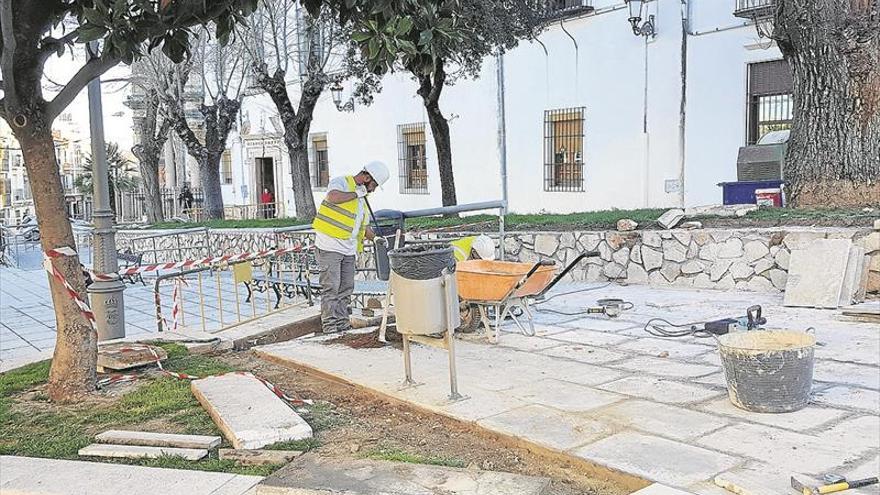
(624,166)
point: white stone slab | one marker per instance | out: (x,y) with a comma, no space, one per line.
(666,348)
(563,395)
(139,452)
(807,418)
(665,367)
(853,374)
(524,343)
(150,439)
(673,422)
(658,489)
(815,274)
(863,430)
(547,427)
(661,390)
(786,450)
(657,459)
(590,337)
(247,412)
(584,353)
(311,475)
(755,480)
(852,278)
(27,475)
(849,397)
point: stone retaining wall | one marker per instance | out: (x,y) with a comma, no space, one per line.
(743,259)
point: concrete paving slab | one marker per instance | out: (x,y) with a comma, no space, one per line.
(312,475)
(661,390)
(139,452)
(122,437)
(815,274)
(863,430)
(810,417)
(658,489)
(665,367)
(849,373)
(584,353)
(491,403)
(849,397)
(788,451)
(590,337)
(524,343)
(547,427)
(670,348)
(31,476)
(564,396)
(755,480)
(657,459)
(123,356)
(677,423)
(247,412)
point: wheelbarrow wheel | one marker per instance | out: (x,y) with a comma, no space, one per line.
(470,318)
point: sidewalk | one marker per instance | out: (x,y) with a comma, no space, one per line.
(32,476)
(605,392)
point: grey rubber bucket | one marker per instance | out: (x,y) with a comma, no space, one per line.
(422,261)
(768,371)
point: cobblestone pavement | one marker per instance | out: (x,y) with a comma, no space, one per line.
(598,389)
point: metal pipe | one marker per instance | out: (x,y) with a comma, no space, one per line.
(682,143)
(502,146)
(446,210)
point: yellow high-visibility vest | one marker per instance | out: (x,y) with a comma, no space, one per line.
(338,220)
(462,248)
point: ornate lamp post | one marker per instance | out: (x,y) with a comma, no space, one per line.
(639,28)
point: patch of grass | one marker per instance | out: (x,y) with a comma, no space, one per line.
(325,416)
(211,464)
(268,223)
(24,378)
(810,214)
(398,455)
(303,445)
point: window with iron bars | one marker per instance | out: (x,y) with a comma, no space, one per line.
(412,165)
(320,161)
(770,101)
(226,167)
(554,9)
(564,150)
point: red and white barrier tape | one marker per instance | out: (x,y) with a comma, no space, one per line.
(209,260)
(71,292)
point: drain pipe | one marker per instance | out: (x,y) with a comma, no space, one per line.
(502,146)
(682,113)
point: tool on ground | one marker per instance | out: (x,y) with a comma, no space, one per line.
(610,307)
(802,486)
(752,320)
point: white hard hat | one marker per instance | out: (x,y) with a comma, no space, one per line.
(378,171)
(485,247)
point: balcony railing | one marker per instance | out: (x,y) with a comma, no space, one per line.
(755,9)
(558,9)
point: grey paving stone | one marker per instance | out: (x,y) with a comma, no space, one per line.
(854,374)
(563,395)
(673,348)
(673,422)
(815,274)
(784,449)
(247,412)
(139,452)
(849,397)
(665,367)
(661,390)
(547,427)
(312,475)
(488,404)
(658,489)
(657,459)
(810,417)
(146,438)
(582,373)
(863,430)
(524,343)
(590,337)
(602,324)
(760,479)
(584,353)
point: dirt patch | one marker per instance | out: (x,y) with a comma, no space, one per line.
(350,423)
(368,340)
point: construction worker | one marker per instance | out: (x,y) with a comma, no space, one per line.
(474,247)
(341,226)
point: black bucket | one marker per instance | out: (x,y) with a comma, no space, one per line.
(768,372)
(422,261)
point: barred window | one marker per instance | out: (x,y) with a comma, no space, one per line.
(320,160)
(226,167)
(770,105)
(564,149)
(411,157)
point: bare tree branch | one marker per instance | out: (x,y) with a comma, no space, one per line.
(9,44)
(92,69)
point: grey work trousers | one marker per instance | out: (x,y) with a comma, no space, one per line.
(337,284)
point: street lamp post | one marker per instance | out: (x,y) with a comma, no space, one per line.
(107,302)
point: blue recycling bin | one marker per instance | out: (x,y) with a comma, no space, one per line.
(743,192)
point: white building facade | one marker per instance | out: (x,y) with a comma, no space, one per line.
(596,118)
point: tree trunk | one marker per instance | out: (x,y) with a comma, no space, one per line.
(209,178)
(430,88)
(149,167)
(298,153)
(833,156)
(73,371)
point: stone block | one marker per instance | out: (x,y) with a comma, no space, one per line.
(621,256)
(755,250)
(144,438)
(651,238)
(657,459)
(852,276)
(741,271)
(546,427)
(669,421)
(871,242)
(683,282)
(258,457)
(564,396)
(567,240)
(139,452)
(674,251)
(671,218)
(702,281)
(312,475)
(682,236)
(651,258)
(782,258)
(247,412)
(708,252)
(726,282)
(605,252)
(635,274)
(877,224)
(693,250)
(635,255)
(123,355)
(626,225)
(546,244)
(721,235)
(873,284)
(731,248)
(850,398)
(815,275)
(692,267)
(590,241)
(778,278)
(670,270)
(615,241)
(762,265)
(661,390)
(702,238)
(801,240)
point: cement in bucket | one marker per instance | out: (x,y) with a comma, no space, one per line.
(767,371)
